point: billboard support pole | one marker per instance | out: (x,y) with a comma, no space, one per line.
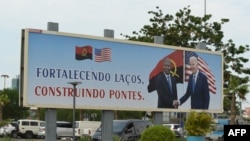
(51,113)
(158,116)
(107,115)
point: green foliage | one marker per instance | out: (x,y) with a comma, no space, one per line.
(6,139)
(12,110)
(198,123)
(157,133)
(186,30)
(181,29)
(4,122)
(235,89)
(4,99)
(116,138)
(129,114)
(85,138)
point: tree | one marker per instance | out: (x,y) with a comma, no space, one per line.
(3,101)
(235,89)
(186,30)
(12,110)
(235,74)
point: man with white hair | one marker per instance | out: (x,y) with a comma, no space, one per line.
(197,88)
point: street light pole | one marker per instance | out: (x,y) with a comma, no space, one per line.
(4,77)
(74,105)
(205,7)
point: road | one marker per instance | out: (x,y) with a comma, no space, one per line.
(35,140)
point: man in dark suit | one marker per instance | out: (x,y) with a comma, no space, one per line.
(166,86)
(197,88)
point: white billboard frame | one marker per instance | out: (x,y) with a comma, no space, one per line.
(118,79)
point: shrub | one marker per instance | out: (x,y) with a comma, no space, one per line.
(85,138)
(157,133)
(6,139)
(198,123)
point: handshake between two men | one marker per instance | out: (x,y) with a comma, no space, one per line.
(176,103)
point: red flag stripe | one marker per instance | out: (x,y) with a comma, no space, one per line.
(177,58)
(203,66)
(176,55)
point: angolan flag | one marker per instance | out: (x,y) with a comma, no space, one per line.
(203,67)
(83,52)
(177,65)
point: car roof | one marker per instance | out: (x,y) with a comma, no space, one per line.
(62,122)
(30,120)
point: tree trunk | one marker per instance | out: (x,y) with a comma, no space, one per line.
(38,113)
(233,109)
(1,113)
(116,114)
(81,115)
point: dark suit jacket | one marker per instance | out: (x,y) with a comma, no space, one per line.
(200,98)
(165,97)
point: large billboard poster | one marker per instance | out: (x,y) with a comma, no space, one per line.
(117,74)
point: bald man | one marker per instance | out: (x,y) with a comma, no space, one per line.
(166,86)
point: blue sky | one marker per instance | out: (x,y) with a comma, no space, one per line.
(91,17)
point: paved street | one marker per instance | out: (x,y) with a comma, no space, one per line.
(34,140)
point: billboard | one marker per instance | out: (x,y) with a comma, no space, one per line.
(114,74)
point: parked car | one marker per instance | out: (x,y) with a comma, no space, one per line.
(85,128)
(126,130)
(63,129)
(2,133)
(28,128)
(11,129)
(179,132)
(41,131)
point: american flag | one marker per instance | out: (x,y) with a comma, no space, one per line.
(203,67)
(103,54)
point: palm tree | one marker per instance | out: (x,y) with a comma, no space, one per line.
(235,89)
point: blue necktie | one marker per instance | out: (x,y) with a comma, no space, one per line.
(193,82)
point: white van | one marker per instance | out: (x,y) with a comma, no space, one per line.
(85,128)
(28,128)
(63,129)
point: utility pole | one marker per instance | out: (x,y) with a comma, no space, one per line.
(4,77)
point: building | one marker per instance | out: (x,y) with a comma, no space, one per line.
(246,115)
(15,83)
